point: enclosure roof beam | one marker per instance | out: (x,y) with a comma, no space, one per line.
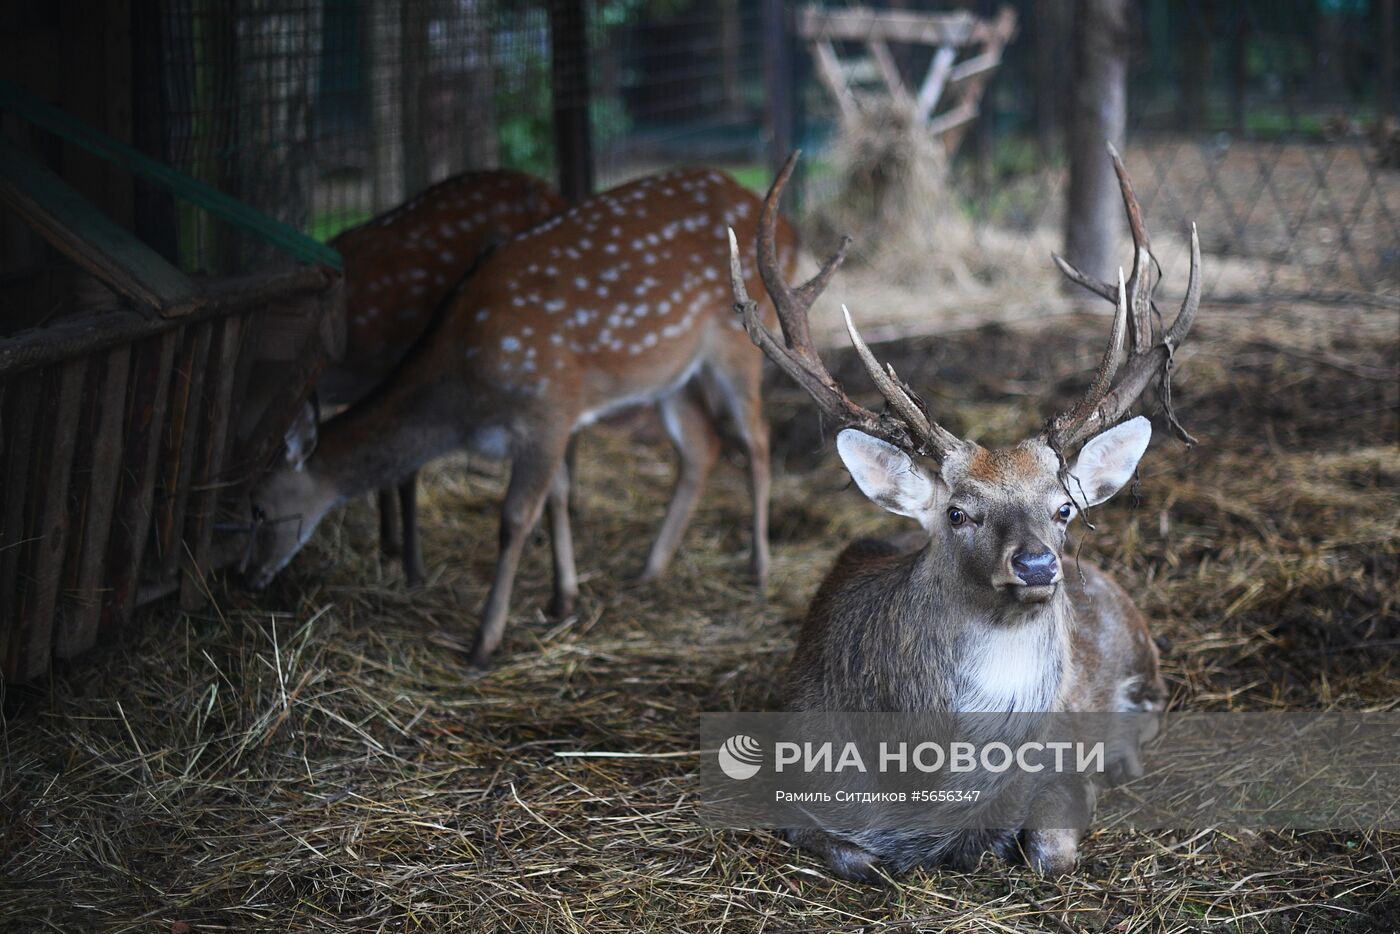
(87,236)
(20,102)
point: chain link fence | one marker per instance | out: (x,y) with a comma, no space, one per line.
(1268,123)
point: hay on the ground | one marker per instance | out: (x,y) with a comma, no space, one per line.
(319,756)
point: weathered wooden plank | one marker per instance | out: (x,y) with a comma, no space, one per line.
(23,396)
(79,483)
(182,440)
(74,227)
(976,66)
(82,605)
(41,566)
(934,81)
(17,100)
(950,119)
(889,71)
(207,481)
(85,334)
(147,396)
(860,24)
(829,71)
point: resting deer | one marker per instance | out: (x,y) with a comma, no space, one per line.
(619,301)
(981,615)
(399,267)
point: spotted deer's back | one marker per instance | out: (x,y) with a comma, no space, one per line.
(615,299)
(401,265)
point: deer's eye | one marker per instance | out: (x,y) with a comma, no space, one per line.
(957,517)
(1064,512)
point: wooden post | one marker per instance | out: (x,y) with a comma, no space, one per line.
(145,415)
(1098,110)
(777,81)
(103,458)
(573,139)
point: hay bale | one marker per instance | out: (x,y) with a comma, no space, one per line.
(891,190)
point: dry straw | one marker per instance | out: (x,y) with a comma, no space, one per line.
(319,757)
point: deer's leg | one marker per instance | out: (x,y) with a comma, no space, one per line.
(389,542)
(846,860)
(743,396)
(1058,816)
(562,539)
(532,472)
(412,547)
(692,431)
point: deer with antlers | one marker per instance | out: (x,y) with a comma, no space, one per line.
(979,614)
(619,301)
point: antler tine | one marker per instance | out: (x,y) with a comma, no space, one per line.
(938,441)
(1140,282)
(804,369)
(792,309)
(1101,406)
(1103,377)
(797,356)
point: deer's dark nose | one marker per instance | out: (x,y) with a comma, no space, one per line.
(1034,570)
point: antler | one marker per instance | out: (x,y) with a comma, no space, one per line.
(1103,405)
(910,427)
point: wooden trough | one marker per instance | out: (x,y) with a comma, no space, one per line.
(948,98)
(131,428)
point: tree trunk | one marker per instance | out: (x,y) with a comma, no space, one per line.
(1194,77)
(1098,108)
(1048,39)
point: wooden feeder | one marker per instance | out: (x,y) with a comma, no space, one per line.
(131,427)
(967,51)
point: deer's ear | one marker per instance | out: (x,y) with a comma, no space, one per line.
(300,440)
(1108,461)
(886,474)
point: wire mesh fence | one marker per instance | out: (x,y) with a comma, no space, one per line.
(1268,123)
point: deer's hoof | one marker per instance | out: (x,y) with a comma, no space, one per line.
(561,606)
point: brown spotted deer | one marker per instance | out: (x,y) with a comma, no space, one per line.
(978,613)
(399,267)
(619,301)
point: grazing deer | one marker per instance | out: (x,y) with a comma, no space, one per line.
(619,301)
(980,615)
(399,267)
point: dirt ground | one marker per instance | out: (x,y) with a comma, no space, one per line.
(319,757)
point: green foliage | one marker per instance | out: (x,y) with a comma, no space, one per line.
(324,227)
